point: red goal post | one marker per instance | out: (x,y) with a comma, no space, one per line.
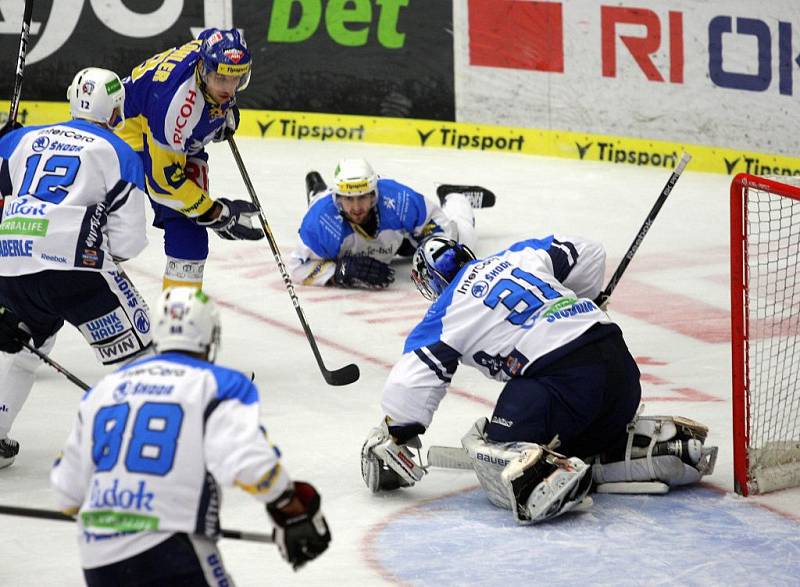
(765,333)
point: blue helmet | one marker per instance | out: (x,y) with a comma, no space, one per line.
(436,263)
(225,52)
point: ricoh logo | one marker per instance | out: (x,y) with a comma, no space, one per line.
(183,117)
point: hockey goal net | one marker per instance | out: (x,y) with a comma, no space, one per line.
(765,333)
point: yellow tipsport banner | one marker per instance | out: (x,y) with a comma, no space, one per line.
(431,134)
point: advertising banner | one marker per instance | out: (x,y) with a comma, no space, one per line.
(712,73)
(370,57)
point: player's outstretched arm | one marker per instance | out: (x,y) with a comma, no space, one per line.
(301,531)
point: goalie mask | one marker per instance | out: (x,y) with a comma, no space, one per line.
(436,263)
(97,95)
(186,320)
(225,52)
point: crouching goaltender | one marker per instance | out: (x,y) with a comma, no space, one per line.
(525,316)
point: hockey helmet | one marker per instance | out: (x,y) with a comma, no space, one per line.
(436,262)
(186,320)
(98,95)
(225,52)
(354,177)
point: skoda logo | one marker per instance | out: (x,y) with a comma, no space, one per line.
(479,289)
(40,144)
(121,391)
(141,321)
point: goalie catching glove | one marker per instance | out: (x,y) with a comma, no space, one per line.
(362,271)
(387,462)
(233,221)
(301,533)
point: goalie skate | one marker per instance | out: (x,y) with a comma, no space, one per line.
(477,196)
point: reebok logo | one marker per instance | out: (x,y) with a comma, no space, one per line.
(3,408)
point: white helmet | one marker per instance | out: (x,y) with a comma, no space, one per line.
(186,320)
(98,95)
(354,177)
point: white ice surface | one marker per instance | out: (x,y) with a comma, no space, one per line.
(672,305)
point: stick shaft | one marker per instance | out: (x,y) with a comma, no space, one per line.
(60,517)
(343,376)
(648,222)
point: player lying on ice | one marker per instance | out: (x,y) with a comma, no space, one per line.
(352,231)
(525,316)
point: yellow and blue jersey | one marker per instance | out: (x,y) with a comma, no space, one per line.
(168,119)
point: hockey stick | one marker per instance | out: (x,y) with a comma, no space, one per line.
(23,51)
(54,515)
(347,374)
(449,457)
(55,366)
(602,298)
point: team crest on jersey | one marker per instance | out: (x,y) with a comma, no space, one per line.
(141,321)
(480,289)
(40,144)
(87,87)
(175,175)
(122,391)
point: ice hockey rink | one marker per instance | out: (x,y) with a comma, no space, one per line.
(672,304)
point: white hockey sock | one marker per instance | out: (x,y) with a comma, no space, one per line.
(459,211)
(17,373)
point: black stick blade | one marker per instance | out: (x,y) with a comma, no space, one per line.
(344,376)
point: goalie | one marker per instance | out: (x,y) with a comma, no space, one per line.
(525,316)
(352,231)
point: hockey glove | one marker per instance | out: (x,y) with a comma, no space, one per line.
(230,125)
(301,532)
(234,221)
(387,462)
(11,335)
(362,271)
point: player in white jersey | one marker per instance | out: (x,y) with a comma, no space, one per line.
(74,207)
(150,448)
(352,231)
(524,316)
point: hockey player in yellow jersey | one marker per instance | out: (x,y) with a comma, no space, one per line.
(177,102)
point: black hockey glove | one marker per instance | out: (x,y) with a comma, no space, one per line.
(301,532)
(362,271)
(9,126)
(234,221)
(230,125)
(11,335)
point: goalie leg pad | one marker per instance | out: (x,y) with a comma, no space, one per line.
(489,459)
(543,484)
(660,449)
(532,481)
